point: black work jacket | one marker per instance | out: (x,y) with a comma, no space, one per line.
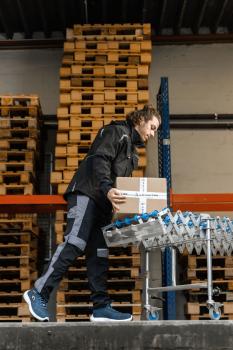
(112,154)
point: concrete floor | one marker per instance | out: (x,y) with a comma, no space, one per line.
(201,335)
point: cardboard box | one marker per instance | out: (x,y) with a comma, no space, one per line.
(143,195)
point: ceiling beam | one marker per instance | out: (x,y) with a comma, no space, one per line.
(220,12)
(104,10)
(230,24)
(145,12)
(180,15)
(124,4)
(192,39)
(5,23)
(45,25)
(27,30)
(62,14)
(197,23)
(162,16)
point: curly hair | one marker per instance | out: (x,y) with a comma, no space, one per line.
(146,114)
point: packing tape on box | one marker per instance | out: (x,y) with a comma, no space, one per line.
(143,195)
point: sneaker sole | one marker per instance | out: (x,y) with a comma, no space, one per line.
(103,319)
(28,301)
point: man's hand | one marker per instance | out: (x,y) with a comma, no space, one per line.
(116,198)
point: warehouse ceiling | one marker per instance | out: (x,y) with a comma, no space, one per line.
(171,20)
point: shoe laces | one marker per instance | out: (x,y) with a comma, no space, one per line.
(42,301)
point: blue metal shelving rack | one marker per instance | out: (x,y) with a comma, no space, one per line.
(164,154)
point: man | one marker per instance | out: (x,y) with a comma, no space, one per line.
(92,198)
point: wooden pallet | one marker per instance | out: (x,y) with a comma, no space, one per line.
(223,284)
(133,47)
(139,172)
(200,261)
(17,156)
(15,285)
(9,319)
(23,189)
(217,272)
(127,272)
(104,71)
(19,133)
(113,283)
(107,96)
(200,308)
(83,318)
(76,135)
(109,110)
(17,261)
(20,111)
(78,123)
(108,57)
(18,238)
(19,100)
(19,224)
(206,316)
(10,297)
(101,84)
(14,309)
(14,249)
(201,296)
(18,144)
(131,296)
(18,122)
(72,163)
(16,178)
(16,166)
(109,32)
(86,308)
(9,273)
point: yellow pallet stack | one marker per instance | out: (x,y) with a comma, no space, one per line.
(104,76)
(20,119)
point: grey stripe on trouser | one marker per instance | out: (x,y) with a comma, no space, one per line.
(77,213)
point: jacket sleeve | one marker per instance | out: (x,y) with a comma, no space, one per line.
(107,146)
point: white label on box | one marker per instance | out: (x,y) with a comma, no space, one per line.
(146,195)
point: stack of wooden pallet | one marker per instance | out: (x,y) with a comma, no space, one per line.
(18,256)
(222,279)
(19,137)
(104,76)
(19,141)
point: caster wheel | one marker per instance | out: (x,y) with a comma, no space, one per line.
(152,316)
(215,314)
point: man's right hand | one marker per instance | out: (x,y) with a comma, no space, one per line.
(115,197)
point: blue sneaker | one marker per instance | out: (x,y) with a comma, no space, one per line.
(108,314)
(37,304)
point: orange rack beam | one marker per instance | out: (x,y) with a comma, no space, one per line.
(200,202)
(31,203)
